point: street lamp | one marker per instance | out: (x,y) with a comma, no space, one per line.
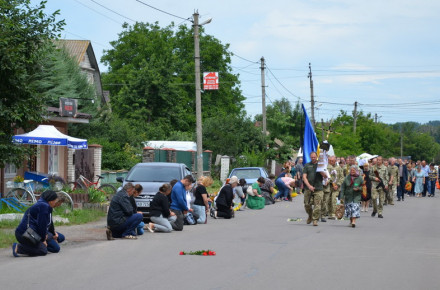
(198,93)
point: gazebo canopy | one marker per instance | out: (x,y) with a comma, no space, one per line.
(49,135)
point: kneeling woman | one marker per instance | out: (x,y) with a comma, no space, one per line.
(39,218)
(256,200)
(351,190)
(160,215)
(224,199)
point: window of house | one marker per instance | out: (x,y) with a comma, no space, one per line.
(10,170)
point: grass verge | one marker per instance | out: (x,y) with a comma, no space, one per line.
(77,217)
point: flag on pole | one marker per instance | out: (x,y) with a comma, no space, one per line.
(310,141)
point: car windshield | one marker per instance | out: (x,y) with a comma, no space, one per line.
(153,174)
(247,173)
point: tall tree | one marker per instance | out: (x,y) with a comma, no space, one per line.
(151,78)
(25,32)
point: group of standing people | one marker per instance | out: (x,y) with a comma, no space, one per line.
(375,182)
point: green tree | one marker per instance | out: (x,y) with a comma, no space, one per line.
(25,32)
(151,78)
(61,77)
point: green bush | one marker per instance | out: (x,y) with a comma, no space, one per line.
(97,196)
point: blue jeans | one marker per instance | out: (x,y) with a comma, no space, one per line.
(431,187)
(140,229)
(199,210)
(283,191)
(128,227)
(162,224)
(52,245)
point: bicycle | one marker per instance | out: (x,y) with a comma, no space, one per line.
(27,196)
(84,184)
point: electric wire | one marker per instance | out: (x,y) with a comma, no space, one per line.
(113,11)
(160,10)
(108,17)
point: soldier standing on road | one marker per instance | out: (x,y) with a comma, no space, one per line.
(393,173)
(336,179)
(313,193)
(379,184)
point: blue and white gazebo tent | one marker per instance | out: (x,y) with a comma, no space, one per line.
(49,135)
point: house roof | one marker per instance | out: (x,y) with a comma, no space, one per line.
(76,48)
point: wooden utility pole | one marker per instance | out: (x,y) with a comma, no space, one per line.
(375,118)
(322,125)
(312,100)
(355,117)
(263,96)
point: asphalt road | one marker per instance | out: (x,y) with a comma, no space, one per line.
(256,250)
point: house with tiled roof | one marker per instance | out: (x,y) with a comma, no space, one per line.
(61,160)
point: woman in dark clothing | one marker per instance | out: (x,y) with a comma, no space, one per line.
(201,204)
(366,188)
(39,218)
(224,199)
(160,215)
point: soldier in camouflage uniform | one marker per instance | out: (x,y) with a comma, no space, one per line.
(378,172)
(336,179)
(393,174)
(313,192)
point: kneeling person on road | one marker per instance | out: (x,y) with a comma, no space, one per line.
(121,219)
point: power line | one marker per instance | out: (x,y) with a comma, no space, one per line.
(186,19)
(282,84)
(98,12)
(112,11)
(236,55)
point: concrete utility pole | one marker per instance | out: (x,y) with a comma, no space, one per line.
(263,95)
(312,100)
(355,117)
(199,131)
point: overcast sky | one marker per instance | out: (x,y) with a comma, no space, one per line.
(382,54)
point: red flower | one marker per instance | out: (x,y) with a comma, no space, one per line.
(213,253)
(182,253)
(205,254)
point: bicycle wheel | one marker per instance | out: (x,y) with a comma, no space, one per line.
(23,195)
(77,186)
(108,189)
(67,205)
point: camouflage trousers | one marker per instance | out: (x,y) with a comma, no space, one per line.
(312,203)
(377,193)
(331,202)
(324,203)
(389,196)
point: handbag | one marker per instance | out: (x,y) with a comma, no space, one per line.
(340,210)
(189,218)
(30,235)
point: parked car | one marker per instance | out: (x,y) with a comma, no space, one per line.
(151,176)
(251,174)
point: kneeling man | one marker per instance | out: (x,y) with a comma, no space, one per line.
(121,220)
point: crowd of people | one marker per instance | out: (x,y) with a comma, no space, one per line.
(357,184)
(360,184)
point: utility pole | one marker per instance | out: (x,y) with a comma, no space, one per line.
(263,95)
(375,118)
(322,125)
(312,101)
(401,141)
(199,157)
(355,117)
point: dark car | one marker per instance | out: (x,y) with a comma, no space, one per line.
(251,174)
(151,176)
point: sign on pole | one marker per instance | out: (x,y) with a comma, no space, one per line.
(210,80)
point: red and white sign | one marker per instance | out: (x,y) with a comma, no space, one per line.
(210,80)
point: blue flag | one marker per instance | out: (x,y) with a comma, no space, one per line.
(310,141)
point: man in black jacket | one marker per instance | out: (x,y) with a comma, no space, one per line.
(121,219)
(403,173)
